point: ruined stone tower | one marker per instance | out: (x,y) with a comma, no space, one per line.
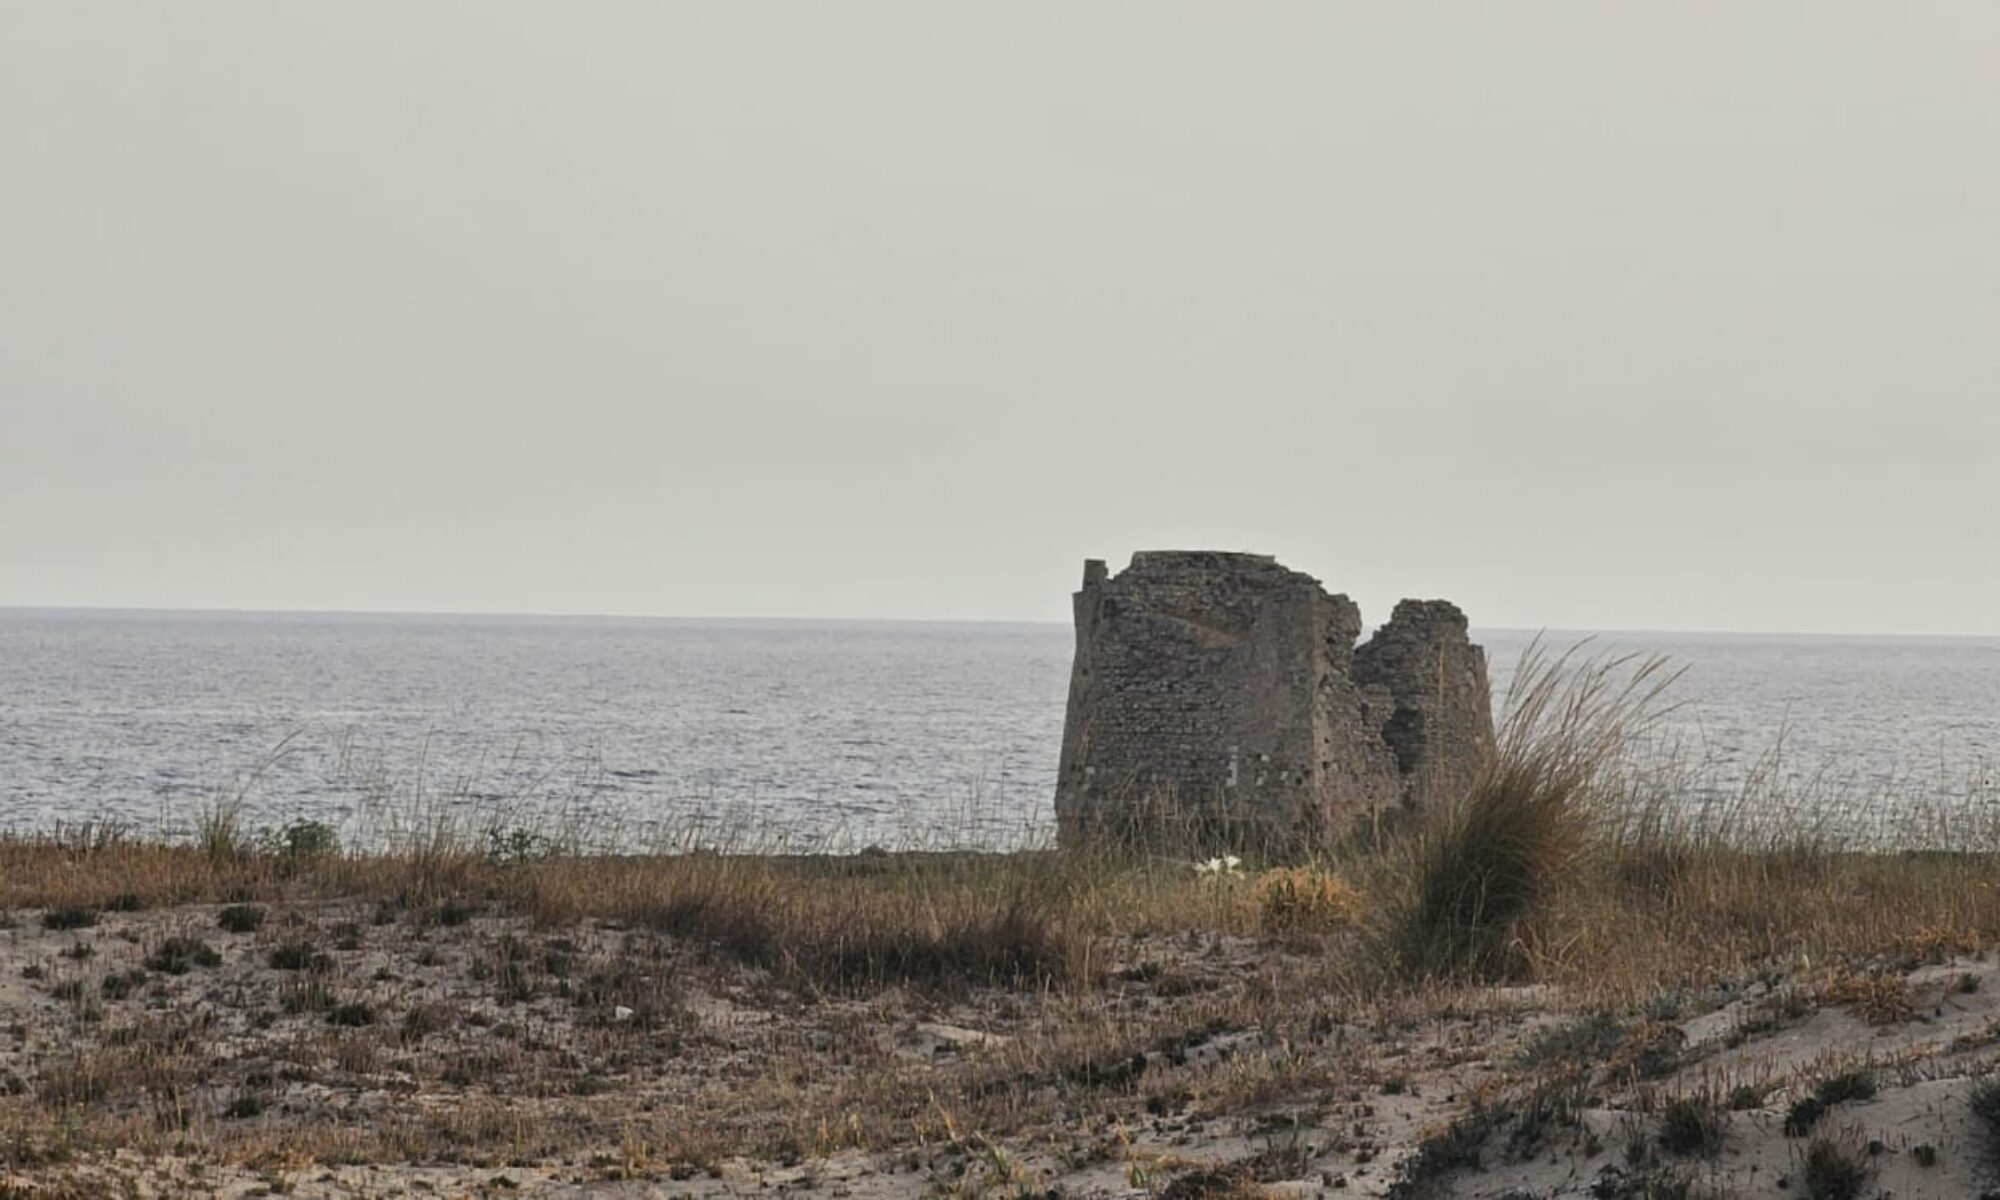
(1224,686)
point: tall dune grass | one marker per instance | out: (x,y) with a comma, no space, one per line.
(1478,865)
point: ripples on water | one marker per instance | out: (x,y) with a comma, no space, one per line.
(841,734)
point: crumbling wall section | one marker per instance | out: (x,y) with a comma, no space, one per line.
(1427,695)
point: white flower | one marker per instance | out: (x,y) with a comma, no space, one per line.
(1216,868)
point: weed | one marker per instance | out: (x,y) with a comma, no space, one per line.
(300,842)
(1833,1170)
(179,955)
(299,956)
(1840,1088)
(121,984)
(1746,1096)
(1985,1105)
(68,918)
(1585,1040)
(455,912)
(241,918)
(1691,1125)
(1844,1086)
(1457,1147)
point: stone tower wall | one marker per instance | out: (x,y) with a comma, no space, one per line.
(1224,685)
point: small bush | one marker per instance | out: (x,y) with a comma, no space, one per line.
(1691,1125)
(121,985)
(179,955)
(299,956)
(455,912)
(1985,1104)
(299,842)
(1845,1086)
(1803,1115)
(515,845)
(1806,1111)
(1746,1096)
(72,917)
(241,918)
(1588,1039)
(1833,1171)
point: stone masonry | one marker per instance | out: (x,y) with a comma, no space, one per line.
(1223,686)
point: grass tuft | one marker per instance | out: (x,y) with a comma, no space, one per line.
(69,917)
(1691,1125)
(179,955)
(1834,1170)
(1478,867)
(1294,900)
(1985,1105)
(241,918)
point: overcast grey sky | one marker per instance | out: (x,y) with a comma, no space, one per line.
(1606,315)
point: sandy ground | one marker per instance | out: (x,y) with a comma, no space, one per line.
(343,1051)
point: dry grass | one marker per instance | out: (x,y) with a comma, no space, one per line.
(1100,976)
(1293,900)
(1474,870)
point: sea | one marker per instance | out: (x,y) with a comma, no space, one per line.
(634,734)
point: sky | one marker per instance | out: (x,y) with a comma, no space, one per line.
(1622,316)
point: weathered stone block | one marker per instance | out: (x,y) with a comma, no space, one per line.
(1222,687)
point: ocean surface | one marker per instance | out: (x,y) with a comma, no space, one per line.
(812,734)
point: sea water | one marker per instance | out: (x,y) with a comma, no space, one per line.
(804,733)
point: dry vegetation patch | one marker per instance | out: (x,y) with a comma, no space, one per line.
(1514,981)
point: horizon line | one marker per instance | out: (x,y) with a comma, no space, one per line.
(190,610)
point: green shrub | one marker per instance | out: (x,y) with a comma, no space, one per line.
(300,842)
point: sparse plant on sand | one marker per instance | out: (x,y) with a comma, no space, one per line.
(1834,1169)
(1985,1104)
